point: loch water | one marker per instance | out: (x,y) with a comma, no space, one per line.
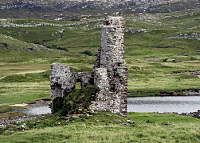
(179,104)
(39,108)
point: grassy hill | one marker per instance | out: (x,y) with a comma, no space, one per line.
(158,47)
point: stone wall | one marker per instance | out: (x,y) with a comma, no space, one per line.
(110,74)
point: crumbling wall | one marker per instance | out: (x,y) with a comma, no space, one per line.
(62,80)
(86,78)
(111,69)
(110,73)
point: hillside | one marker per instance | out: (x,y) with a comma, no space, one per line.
(160,49)
(71,9)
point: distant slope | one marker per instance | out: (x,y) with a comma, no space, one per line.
(160,48)
(180,5)
(13,49)
(70,9)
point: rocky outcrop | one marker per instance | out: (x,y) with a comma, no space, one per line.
(56,9)
(17,120)
(187,36)
(192,114)
(81,4)
(6,23)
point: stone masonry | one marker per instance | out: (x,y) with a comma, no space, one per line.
(110,74)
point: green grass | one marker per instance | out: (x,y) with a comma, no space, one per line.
(153,61)
(29,77)
(6,112)
(28,92)
(151,57)
(5,109)
(105,127)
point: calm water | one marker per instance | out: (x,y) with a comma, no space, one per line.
(38,108)
(178,104)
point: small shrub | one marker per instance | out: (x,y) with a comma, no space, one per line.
(165,60)
(57,104)
(193,58)
(149,121)
(87,52)
(58,48)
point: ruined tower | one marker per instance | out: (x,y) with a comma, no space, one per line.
(110,71)
(110,74)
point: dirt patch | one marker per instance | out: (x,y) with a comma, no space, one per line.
(20,105)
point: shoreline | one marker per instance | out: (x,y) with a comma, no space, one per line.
(16,120)
(186,92)
(191,114)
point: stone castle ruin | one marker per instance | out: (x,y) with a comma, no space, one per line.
(110,74)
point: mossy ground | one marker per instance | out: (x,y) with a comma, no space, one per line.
(76,102)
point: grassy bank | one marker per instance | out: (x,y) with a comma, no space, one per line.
(107,127)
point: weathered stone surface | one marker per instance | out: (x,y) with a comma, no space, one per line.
(102,96)
(110,73)
(111,62)
(62,80)
(86,78)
